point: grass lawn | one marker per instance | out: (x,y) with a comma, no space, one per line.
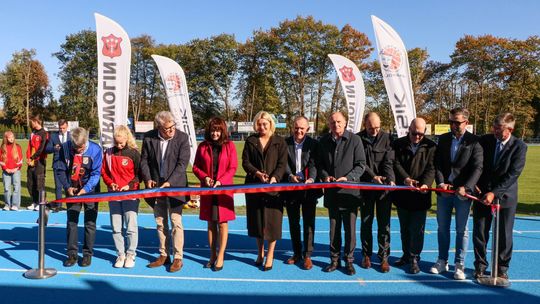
(529,198)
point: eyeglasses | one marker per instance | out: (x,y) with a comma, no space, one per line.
(456,122)
(169,128)
(417,134)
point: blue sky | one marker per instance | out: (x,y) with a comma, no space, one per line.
(433,25)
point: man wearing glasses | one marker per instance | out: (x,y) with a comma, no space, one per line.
(504,160)
(79,170)
(413,166)
(164,159)
(458,164)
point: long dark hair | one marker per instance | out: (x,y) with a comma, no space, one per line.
(216,123)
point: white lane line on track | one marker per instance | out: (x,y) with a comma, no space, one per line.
(354,281)
(230,230)
(15,242)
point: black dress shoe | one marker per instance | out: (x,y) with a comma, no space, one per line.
(258,262)
(502,274)
(71,260)
(350,268)
(332,266)
(86,261)
(402,261)
(479,272)
(219,268)
(267,268)
(414,267)
(208,265)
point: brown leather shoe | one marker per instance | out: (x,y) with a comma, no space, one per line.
(385,267)
(366,262)
(176,265)
(160,261)
(308,264)
(293,260)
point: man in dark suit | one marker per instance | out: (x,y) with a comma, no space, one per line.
(379,155)
(458,164)
(413,166)
(504,160)
(164,159)
(341,159)
(56,140)
(302,154)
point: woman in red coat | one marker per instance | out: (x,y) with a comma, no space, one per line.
(215,165)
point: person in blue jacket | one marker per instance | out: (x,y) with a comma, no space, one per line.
(79,174)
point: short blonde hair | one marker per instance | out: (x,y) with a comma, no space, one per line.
(124,131)
(266,116)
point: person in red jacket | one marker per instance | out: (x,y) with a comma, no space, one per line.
(36,157)
(120,172)
(215,165)
(11,160)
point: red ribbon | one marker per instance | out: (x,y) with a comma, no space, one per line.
(247,188)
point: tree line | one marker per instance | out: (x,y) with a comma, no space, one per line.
(284,70)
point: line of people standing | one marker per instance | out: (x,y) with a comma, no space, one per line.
(488,166)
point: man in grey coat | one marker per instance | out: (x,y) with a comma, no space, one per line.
(342,159)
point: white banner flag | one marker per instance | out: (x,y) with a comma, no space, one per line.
(352,84)
(114,60)
(175,85)
(396,74)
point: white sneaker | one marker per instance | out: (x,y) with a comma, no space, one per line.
(32,207)
(459,273)
(14,208)
(6,208)
(36,207)
(439,267)
(120,261)
(130,261)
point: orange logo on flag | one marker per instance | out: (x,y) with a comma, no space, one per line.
(391,58)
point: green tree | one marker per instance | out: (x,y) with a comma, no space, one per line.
(78,60)
(24,85)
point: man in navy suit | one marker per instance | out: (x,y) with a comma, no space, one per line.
(55,143)
(301,168)
(504,160)
(458,165)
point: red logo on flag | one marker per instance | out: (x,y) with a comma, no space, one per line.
(391,58)
(347,74)
(173,83)
(111,46)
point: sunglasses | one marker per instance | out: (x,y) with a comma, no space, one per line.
(417,134)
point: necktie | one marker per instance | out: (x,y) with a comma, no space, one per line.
(498,149)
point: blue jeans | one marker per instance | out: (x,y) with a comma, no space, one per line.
(12,197)
(445,204)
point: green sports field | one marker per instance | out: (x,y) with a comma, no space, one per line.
(529,194)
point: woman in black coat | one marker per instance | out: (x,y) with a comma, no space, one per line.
(265,160)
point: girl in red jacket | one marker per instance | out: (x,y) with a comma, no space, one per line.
(120,172)
(215,165)
(11,160)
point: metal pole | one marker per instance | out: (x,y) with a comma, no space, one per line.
(494,280)
(41,272)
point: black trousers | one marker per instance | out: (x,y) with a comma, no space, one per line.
(35,179)
(412,225)
(482,220)
(90,216)
(383,208)
(308,207)
(347,217)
